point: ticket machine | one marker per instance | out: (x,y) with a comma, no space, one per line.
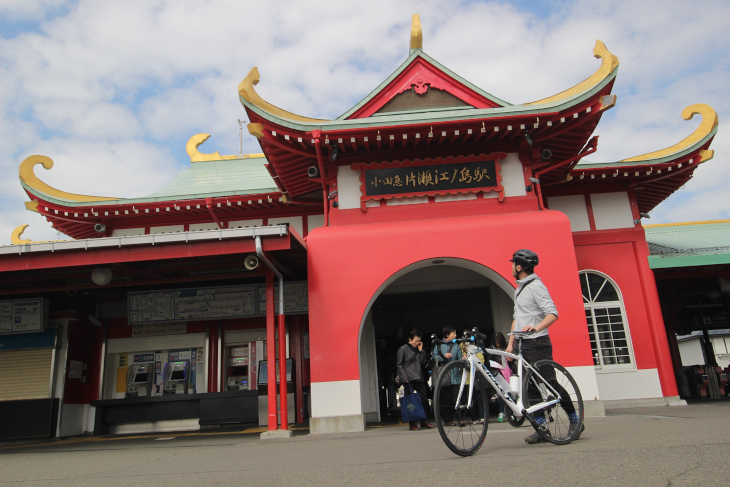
(139,380)
(176,377)
(238,372)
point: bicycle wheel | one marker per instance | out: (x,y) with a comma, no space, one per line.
(463,429)
(562,421)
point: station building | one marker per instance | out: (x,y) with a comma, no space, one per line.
(322,252)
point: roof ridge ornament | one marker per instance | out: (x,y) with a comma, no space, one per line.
(609,63)
(29,179)
(18,232)
(416,33)
(247,92)
(196,156)
(709,122)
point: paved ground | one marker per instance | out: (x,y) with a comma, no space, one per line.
(649,447)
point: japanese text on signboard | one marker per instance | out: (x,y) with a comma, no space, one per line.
(419,179)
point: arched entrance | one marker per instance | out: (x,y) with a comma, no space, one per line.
(427,295)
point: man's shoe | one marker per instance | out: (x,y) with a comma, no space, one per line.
(572,427)
(500,418)
(414,427)
(426,424)
(534,439)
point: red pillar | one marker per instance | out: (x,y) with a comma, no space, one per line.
(284,411)
(295,348)
(656,323)
(212,357)
(271,350)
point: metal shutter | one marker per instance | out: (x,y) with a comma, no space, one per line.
(26,374)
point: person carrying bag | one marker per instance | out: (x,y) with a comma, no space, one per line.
(409,366)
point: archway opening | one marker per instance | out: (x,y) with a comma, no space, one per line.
(426,295)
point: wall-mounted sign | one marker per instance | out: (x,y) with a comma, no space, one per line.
(473,174)
(296,298)
(22,316)
(158,329)
(192,304)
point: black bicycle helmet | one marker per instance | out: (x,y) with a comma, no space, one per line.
(526,258)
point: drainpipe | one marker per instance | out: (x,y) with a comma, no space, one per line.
(317,141)
(283,406)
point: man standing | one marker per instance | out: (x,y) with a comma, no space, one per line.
(535,312)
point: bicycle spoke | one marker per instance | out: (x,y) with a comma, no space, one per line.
(454,415)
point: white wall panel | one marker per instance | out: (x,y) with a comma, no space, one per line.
(123,232)
(574,207)
(513,176)
(168,229)
(635,384)
(348,188)
(455,197)
(315,221)
(407,201)
(245,223)
(612,210)
(194,227)
(338,398)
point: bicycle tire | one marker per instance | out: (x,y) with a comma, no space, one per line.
(455,422)
(559,429)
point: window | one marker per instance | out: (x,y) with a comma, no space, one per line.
(610,339)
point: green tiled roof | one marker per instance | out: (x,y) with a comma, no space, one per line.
(688,245)
(220,178)
(207,179)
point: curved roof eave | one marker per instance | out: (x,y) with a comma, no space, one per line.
(696,140)
(177,190)
(433,117)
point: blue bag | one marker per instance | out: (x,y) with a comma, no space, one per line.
(411,407)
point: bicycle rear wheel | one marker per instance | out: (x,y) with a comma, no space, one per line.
(463,429)
(563,422)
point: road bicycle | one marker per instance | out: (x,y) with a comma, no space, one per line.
(543,392)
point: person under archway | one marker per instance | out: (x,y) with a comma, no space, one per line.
(410,361)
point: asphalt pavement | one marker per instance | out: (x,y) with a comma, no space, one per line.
(677,446)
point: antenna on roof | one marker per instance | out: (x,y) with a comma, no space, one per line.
(240,136)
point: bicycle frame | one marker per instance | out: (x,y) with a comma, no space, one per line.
(517,407)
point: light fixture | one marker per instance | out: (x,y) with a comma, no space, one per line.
(438,261)
(527,138)
(101,276)
(641,215)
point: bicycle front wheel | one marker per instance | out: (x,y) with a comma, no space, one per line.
(563,421)
(462,427)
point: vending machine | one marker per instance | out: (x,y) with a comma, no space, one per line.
(139,380)
(176,377)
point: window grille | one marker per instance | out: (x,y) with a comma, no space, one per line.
(606,317)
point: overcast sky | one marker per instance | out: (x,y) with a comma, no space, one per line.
(111,91)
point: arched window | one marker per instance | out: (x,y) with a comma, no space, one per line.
(606,317)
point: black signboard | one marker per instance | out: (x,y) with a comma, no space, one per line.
(431,178)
